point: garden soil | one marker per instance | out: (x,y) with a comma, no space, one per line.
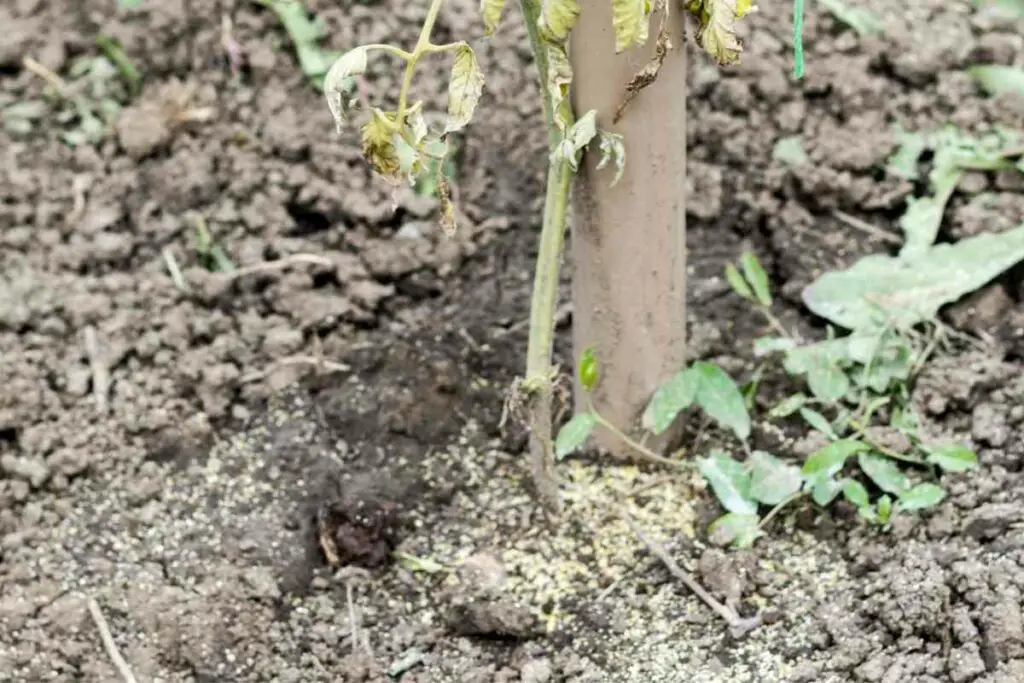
(184,453)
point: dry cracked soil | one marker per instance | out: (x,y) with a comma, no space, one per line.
(189,451)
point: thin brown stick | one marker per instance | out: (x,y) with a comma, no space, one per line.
(52,79)
(108,643)
(737,624)
(271,266)
(866,227)
(318,363)
(100,371)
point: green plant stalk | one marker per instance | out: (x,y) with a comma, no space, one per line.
(539,370)
(422,47)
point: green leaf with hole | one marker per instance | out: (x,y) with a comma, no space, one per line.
(730,480)
(739,530)
(880,290)
(738,284)
(819,422)
(830,459)
(952,457)
(921,497)
(758,279)
(997,79)
(574,434)
(884,472)
(855,492)
(721,399)
(670,399)
(772,480)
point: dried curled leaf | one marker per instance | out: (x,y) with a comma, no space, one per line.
(578,137)
(491,11)
(649,73)
(464,88)
(557,17)
(612,149)
(444,193)
(717,32)
(340,82)
(559,80)
(631,19)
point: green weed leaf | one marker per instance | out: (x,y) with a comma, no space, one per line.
(670,399)
(884,472)
(827,381)
(738,284)
(921,497)
(827,461)
(305,34)
(464,88)
(920,223)
(758,279)
(788,406)
(880,290)
(996,79)
(491,11)
(771,479)
(952,457)
(764,346)
(825,490)
(730,481)
(884,510)
(721,399)
(631,19)
(863,22)
(819,422)
(905,159)
(739,530)
(855,492)
(574,434)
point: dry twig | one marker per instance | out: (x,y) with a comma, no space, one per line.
(108,643)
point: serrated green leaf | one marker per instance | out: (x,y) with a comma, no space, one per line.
(557,17)
(631,19)
(827,461)
(952,457)
(819,422)
(670,399)
(490,11)
(855,492)
(464,88)
(738,284)
(921,497)
(997,79)
(721,399)
(787,406)
(739,530)
(574,434)
(880,291)
(884,472)
(758,279)
(790,151)
(339,83)
(771,479)
(613,149)
(730,481)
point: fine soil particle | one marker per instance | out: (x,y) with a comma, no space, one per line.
(198,450)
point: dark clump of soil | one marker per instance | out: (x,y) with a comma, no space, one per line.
(200,452)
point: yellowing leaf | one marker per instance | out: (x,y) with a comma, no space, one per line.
(491,11)
(557,17)
(717,34)
(464,88)
(378,143)
(339,83)
(631,19)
